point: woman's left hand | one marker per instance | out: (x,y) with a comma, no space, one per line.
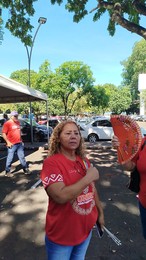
(115,142)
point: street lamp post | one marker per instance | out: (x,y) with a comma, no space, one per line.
(41,21)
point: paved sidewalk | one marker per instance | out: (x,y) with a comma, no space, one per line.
(23,209)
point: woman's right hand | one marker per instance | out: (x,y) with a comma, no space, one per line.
(115,142)
(9,144)
(93,173)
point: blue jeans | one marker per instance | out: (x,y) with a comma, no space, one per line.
(19,149)
(60,252)
(143,219)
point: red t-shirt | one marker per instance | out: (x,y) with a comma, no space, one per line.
(140,160)
(69,223)
(12,130)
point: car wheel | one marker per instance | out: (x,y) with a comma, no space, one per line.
(92,138)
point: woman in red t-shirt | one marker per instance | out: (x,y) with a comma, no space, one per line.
(139,162)
(73,205)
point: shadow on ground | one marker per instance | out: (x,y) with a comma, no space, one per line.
(121,212)
(23,209)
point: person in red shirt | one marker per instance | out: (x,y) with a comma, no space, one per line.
(73,201)
(11,133)
(139,162)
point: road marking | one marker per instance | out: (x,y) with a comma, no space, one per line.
(36,184)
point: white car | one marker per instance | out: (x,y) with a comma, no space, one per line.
(83,121)
(99,129)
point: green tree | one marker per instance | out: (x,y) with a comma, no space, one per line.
(7,108)
(125,13)
(98,98)
(22,77)
(120,100)
(81,105)
(132,67)
(1,26)
(71,77)
(18,22)
(64,87)
(44,77)
(109,89)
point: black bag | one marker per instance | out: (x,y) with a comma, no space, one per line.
(134,181)
(135,178)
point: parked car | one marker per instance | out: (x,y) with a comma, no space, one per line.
(42,127)
(40,133)
(52,122)
(83,121)
(2,121)
(99,129)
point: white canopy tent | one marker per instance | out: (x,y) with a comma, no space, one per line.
(14,92)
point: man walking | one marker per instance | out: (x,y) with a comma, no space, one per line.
(11,133)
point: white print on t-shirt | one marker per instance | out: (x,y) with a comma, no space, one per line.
(85,202)
(52,179)
(85,198)
(85,191)
(15,127)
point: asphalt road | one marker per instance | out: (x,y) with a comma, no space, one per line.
(23,209)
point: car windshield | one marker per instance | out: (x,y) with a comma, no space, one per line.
(89,122)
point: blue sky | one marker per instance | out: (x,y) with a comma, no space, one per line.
(61,40)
